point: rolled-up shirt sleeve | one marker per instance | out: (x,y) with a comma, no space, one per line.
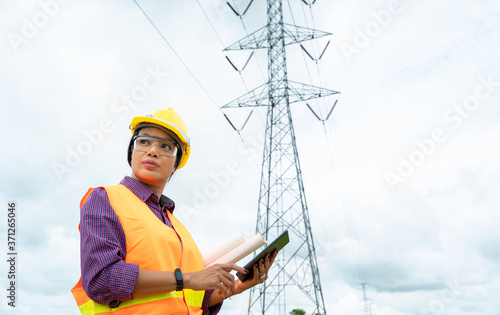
(106,277)
(210,310)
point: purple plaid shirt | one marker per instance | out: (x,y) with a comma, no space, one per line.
(106,277)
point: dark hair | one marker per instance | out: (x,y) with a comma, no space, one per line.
(131,147)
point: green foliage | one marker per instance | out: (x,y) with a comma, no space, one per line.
(297,311)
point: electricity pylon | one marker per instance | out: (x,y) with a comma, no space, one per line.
(282,200)
(366,303)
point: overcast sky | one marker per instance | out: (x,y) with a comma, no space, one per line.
(402,181)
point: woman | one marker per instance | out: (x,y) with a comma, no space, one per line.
(136,257)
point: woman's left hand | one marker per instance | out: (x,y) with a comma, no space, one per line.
(260,271)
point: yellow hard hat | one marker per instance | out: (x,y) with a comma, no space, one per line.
(171,121)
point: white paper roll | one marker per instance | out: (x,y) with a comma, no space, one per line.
(233,242)
(241,251)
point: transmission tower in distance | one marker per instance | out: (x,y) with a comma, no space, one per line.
(294,279)
(366,303)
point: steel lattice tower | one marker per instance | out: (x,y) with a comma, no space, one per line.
(282,201)
(366,303)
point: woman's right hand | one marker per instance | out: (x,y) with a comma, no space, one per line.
(213,277)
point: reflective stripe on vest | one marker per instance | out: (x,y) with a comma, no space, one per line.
(144,232)
(91,308)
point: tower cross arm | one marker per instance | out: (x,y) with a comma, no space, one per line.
(254,98)
(293,34)
(255,40)
(299,92)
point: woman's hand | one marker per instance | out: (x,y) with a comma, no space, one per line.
(213,277)
(260,271)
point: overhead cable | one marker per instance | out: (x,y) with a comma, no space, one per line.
(177,55)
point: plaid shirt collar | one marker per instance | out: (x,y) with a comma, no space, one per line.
(144,193)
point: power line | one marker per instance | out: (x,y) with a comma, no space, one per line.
(210,22)
(177,55)
(188,69)
(282,200)
(346,204)
(246,32)
(338,167)
(315,48)
(223,46)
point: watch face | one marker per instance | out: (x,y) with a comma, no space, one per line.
(178,274)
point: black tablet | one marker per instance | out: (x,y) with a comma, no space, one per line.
(277,244)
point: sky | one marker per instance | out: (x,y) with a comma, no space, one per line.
(401,181)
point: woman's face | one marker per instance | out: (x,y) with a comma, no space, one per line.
(150,167)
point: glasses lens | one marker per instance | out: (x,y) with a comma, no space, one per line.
(163,146)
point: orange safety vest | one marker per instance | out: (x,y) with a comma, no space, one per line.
(153,246)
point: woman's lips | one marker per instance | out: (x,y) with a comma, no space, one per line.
(150,164)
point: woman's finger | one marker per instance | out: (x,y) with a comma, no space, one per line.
(231,267)
(222,286)
(231,289)
(273,257)
(262,270)
(226,282)
(267,262)
(256,272)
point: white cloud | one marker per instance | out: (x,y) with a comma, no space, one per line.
(437,225)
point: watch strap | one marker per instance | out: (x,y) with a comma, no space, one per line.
(179,279)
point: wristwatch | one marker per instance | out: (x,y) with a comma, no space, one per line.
(178,278)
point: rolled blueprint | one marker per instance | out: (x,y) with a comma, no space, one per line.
(241,251)
(223,248)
